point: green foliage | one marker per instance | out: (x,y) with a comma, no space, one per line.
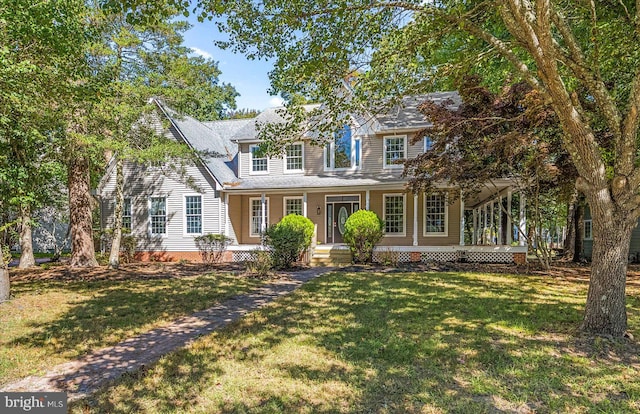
(288,239)
(128,246)
(363,230)
(388,257)
(212,247)
(260,263)
(5,252)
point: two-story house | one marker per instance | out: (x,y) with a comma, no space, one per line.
(239,192)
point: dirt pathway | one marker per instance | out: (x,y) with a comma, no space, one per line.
(83,376)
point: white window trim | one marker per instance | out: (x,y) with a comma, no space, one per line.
(184,215)
(266,200)
(384,151)
(284,204)
(124,201)
(332,154)
(585,229)
(284,159)
(251,172)
(166,217)
(404,213)
(424,218)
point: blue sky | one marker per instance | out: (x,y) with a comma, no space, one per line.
(249,77)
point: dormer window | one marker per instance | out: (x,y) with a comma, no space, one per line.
(343,152)
(259,163)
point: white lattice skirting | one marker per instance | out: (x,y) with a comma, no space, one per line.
(242,256)
(406,254)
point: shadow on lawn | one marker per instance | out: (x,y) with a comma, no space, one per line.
(116,310)
(408,342)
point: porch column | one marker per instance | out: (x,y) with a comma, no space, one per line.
(523,221)
(500,229)
(509,225)
(475,226)
(263,213)
(485,224)
(224,215)
(461,220)
(367,197)
(491,221)
(304,204)
(415,219)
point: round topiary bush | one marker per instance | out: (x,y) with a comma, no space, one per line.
(288,239)
(363,230)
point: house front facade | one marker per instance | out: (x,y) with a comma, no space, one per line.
(240,192)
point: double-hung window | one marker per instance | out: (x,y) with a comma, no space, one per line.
(294,158)
(193,214)
(428,143)
(293,205)
(126,215)
(588,230)
(158,215)
(395,151)
(255,216)
(259,163)
(394,214)
(435,214)
(343,152)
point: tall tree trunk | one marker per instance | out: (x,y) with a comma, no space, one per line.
(81,223)
(114,257)
(605,310)
(578,249)
(5,286)
(26,241)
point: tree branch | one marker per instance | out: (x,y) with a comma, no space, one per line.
(577,63)
(578,138)
(627,148)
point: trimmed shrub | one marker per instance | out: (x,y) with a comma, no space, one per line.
(288,239)
(212,247)
(260,263)
(363,230)
(128,244)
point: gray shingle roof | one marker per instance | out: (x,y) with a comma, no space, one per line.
(219,139)
(312,181)
(219,147)
(268,116)
(407,115)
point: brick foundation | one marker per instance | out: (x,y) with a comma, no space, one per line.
(194,257)
(415,257)
(520,258)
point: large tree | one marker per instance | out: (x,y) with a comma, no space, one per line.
(38,70)
(144,59)
(514,134)
(582,58)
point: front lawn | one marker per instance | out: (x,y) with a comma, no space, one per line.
(58,316)
(398,342)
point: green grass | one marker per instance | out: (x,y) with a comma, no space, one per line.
(401,343)
(53,321)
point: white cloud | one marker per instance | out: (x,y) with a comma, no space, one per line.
(276,101)
(201,52)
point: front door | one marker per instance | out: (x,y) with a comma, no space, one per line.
(341,211)
(338,209)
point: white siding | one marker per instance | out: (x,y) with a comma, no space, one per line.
(143,182)
(371,158)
